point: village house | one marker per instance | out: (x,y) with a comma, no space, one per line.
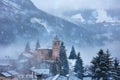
(9,75)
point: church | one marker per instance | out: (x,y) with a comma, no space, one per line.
(49,54)
(42,59)
(39,54)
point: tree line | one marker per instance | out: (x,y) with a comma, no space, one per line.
(103,65)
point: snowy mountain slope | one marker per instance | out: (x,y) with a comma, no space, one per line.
(14,22)
(98,21)
(21,19)
(96,15)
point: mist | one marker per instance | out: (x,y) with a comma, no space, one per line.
(31,33)
(87,52)
(60,6)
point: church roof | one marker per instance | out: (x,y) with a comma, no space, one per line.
(45,51)
(28,55)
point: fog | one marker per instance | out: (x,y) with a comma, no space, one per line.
(59,6)
(87,53)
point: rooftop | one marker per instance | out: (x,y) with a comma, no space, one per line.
(12,72)
(6,74)
(41,71)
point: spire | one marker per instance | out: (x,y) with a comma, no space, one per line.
(37,45)
(56,38)
(55,48)
(27,47)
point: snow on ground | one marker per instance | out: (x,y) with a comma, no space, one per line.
(73,78)
(71,63)
(58,77)
(54,78)
(87,78)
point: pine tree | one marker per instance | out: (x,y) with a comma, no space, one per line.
(54,68)
(79,70)
(64,68)
(108,64)
(73,54)
(37,45)
(102,66)
(116,71)
(27,47)
(96,65)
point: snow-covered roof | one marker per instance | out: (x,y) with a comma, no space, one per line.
(6,74)
(13,72)
(87,78)
(56,76)
(28,55)
(60,77)
(41,71)
(23,60)
(73,78)
(5,64)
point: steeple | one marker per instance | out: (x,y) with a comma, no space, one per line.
(55,48)
(27,47)
(56,38)
(37,45)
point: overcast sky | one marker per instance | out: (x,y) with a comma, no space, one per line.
(63,5)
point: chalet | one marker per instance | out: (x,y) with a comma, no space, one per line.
(10,75)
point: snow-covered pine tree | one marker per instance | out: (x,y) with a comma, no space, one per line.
(96,70)
(54,68)
(79,69)
(116,69)
(64,67)
(27,47)
(109,65)
(37,45)
(73,54)
(102,66)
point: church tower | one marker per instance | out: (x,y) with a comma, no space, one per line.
(55,48)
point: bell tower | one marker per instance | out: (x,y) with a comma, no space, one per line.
(55,48)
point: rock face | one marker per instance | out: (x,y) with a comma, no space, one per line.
(104,23)
(20,19)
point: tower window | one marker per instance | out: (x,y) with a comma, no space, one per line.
(55,43)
